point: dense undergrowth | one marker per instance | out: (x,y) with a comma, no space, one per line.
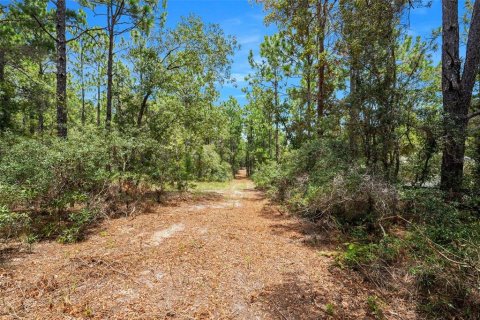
(55,188)
(399,237)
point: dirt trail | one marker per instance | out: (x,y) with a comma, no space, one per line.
(234,257)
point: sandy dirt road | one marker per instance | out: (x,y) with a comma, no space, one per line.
(231,255)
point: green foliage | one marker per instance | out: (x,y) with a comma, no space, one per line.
(210,166)
(266,174)
(445,248)
(388,226)
(318,180)
(440,244)
(375,307)
(11,223)
(385,251)
(330,309)
(52,173)
(78,222)
(47,178)
(355,136)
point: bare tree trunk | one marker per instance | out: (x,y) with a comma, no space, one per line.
(110,66)
(98,96)
(82,80)
(353,113)
(248,160)
(143,108)
(308,118)
(277,120)
(321,18)
(61,95)
(457,91)
(41,102)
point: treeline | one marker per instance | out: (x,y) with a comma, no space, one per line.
(351,123)
(101,103)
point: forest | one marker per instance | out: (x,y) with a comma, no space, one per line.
(352,124)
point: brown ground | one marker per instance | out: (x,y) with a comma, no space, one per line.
(228,257)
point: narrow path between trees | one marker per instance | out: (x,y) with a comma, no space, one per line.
(229,254)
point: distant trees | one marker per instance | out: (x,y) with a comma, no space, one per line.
(269,75)
(389,106)
(335,70)
(309,26)
(141,78)
(122,16)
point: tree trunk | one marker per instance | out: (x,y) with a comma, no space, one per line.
(82,80)
(61,95)
(308,119)
(430,149)
(321,17)
(309,111)
(41,120)
(277,120)
(248,160)
(457,91)
(31,122)
(110,67)
(143,108)
(353,112)
(41,103)
(98,96)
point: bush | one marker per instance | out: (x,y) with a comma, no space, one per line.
(440,247)
(12,224)
(390,229)
(51,174)
(210,167)
(56,181)
(265,175)
(319,180)
(78,222)
(445,248)
(49,179)
(355,198)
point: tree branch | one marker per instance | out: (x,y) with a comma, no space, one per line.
(42,26)
(85,32)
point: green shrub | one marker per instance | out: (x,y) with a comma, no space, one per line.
(386,251)
(78,222)
(52,174)
(266,174)
(442,246)
(319,180)
(210,166)
(438,240)
(375,306)
(96,171)
(12,224)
